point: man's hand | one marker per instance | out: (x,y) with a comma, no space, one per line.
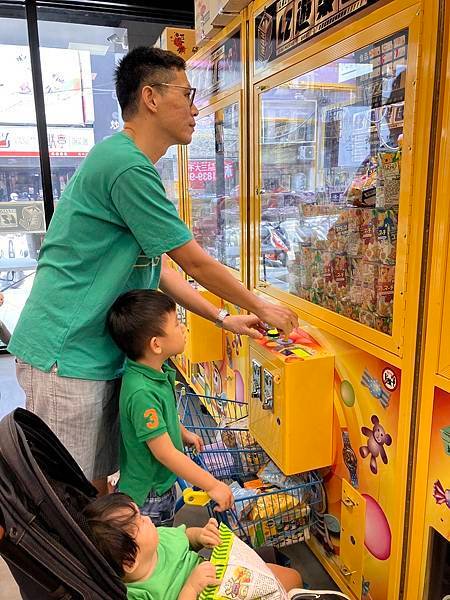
(202,576)
(250,325)
(208,536)
(281,317)
(222,495)
(192,439)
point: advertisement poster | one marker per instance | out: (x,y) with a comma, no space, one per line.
(67,82)
(286,24)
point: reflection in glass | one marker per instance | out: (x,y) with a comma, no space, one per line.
(331,144)
(167,167)
(213,168)
(78,62)
(21,207)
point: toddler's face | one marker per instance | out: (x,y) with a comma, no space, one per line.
(146,536)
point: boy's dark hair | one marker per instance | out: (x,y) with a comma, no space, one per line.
(140,67)
(137,316)
(111,520)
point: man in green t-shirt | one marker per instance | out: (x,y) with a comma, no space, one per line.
(109,234)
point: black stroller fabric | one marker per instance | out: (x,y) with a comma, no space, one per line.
(42,494)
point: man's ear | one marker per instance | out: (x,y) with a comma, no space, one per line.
(148,98)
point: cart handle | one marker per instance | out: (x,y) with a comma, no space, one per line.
(195,498)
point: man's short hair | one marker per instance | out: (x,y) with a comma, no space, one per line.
(136,317)
(111,521)
(140,67)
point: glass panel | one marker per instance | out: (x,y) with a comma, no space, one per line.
(22,220)
(213,168)
(331,145)
(78,61)
(168,169)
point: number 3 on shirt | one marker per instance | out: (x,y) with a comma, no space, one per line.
(152,418)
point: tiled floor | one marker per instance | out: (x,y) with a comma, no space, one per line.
(11,395)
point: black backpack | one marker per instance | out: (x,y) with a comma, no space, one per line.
(46,540)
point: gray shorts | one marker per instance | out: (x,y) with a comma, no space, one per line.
(83,413)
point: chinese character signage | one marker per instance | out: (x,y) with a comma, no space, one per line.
(20,217)
(286,24)
(203,171)
(216,71)
(62,141)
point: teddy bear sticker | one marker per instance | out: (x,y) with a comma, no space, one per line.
(376,439)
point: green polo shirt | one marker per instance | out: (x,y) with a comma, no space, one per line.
(148,408)
(176,561)
(110,228)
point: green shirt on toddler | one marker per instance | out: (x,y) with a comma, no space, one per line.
(148,408)
(176,561)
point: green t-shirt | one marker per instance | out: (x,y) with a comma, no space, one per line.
(109,230)
(147,409)
(176,561)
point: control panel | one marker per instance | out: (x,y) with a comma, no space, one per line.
(291,406)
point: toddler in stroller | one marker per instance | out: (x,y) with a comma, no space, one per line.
(159,563)
(45,535)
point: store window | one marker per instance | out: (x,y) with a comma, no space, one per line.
(22,222)
(78,60)
(213,171)
(331,147)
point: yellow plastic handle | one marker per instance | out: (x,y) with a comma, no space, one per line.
(195,498)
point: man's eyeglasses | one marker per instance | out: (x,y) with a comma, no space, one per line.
(182,87)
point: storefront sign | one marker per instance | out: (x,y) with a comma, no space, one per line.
(216,71)
(286,24)
(18,217)
(62,141)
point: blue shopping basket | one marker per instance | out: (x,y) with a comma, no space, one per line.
(270,516)
(230,452)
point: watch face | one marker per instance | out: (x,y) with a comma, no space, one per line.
(350,459)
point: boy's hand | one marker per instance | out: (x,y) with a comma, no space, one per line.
(209,536)
(192,439)
(221,494)
(203,575)
(2,297)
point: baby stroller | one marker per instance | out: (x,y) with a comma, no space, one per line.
(43,536)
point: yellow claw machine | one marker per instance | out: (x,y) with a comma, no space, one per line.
(428,566)
(216,200)
(342,96)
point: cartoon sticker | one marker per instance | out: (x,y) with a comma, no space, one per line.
(374,387)
(376,439)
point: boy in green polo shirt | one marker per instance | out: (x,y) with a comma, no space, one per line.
(145,326)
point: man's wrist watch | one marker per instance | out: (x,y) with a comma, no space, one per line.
(221,315)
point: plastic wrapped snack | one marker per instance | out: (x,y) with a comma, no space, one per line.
(270,505)
(271,474)
(235,434)
(388,179)
(243,574)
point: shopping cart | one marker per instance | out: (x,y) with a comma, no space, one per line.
(263,514)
